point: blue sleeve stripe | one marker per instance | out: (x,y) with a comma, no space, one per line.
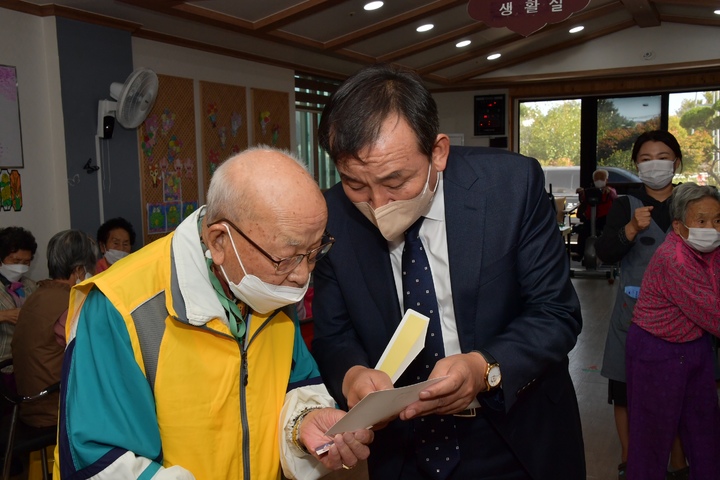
(149,472)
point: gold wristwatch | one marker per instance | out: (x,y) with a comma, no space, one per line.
(493,377)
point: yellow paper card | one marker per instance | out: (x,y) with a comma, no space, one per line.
(407,341)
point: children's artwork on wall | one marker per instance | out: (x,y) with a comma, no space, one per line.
(172,187)
(188,208)
(173,215)
(235,123)
(169,178)
(5,190)
(156,218)
(16,190)
(225,108)
(272,111)
(11,154)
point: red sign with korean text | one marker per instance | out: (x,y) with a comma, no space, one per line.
(523,16)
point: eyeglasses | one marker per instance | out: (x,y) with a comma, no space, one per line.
(288,264)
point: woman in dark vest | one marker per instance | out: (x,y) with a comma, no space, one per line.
(636,225)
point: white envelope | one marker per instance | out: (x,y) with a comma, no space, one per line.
(379,406)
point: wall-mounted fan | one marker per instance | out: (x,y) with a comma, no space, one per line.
(133,101)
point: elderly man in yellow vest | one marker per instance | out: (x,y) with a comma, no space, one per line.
(183,360)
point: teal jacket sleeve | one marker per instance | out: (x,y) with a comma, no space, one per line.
(304,369)
(107,411)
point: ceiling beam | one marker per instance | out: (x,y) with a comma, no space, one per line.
(544,51)
(644,13)
(694,3)
(293,14)
(581,17)
(392,23)
(708,22)
(433,42)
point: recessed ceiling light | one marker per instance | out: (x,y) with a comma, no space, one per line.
(717,12)
(493,56)
(425,28)
(464,43)
(577,29)
(373,5)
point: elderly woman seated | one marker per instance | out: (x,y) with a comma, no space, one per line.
(17,249)
(38,344)
(670,364)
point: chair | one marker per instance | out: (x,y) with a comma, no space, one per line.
(20,437)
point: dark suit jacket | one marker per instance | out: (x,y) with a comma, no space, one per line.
(512,295)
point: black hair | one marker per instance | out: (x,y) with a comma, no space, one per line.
(657,136)
(13,239)
(351,120)
(104,231)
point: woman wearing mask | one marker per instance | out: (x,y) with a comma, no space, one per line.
(115,238)
(670,374)
(636,226)
(17,249)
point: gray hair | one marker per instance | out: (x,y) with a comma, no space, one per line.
(605,173)
(224,196)
(685,194)
(68,250)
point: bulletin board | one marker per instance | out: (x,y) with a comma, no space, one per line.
(271,118)
(11,153)
(224,125)
(168,176)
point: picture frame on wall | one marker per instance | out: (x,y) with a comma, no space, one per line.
(11,152)
(489,115)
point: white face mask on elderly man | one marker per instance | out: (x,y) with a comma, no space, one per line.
(260,296)
(113,256)
(394,218)
(703,240)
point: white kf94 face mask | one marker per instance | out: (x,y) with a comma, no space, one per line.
(262,297)
(703,240)
(13,272)
(656,174)
(394,218)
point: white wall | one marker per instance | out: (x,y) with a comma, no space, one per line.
(29,43)
(202,66)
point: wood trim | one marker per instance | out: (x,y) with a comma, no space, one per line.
(293,14)
(644,13)
(433,42)
(391,23)
(52,10)
(545,51)
(696,3)
(485,49)
(707,22)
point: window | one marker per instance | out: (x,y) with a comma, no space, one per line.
(550,132)
(311,93)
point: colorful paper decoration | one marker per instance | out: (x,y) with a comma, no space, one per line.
(523,16)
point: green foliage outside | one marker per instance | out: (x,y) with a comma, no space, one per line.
(553,137)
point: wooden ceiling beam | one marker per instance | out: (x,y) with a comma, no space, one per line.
(433,42)
(584,16)
(293,14)
(392,23)
(707,22)
(544,51)
(694,3)
(644,13)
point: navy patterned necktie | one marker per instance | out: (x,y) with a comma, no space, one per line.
(437,448)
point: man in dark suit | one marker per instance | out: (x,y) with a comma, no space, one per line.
(507,312)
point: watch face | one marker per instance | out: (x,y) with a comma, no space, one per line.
(494,376)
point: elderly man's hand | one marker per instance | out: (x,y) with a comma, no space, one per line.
(466,378)
(359,381)
(348,448)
